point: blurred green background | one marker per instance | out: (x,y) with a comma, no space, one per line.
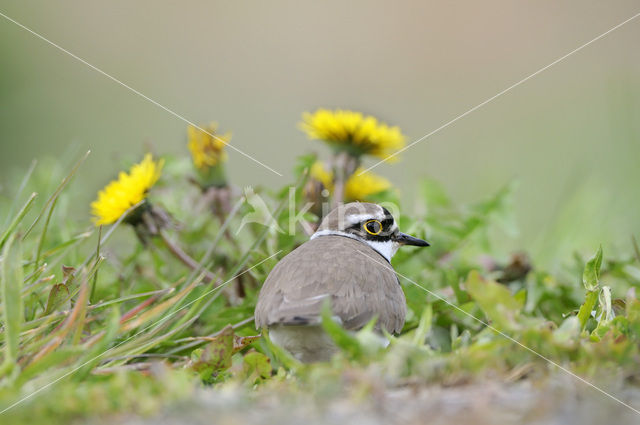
(570,136)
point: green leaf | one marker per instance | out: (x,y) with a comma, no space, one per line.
(585,310)
(632,312)
(197,364)
(452,278)
(600,331)
(424,326)
(568,330)
(495,300)
(256,366)
(215,356)
(521,296)
(461,340)
(58,294)
(11,277)
(280,354)
(591,274)
(218,352)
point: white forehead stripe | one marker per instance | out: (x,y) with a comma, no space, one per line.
(358,218)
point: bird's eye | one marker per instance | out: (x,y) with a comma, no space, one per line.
(373,227)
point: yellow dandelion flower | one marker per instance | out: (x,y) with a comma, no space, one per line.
(129,189)
(207,151)
(319,173)
(353,132)
(359,187)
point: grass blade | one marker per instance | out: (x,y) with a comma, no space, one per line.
(75,319)
(18,218)
(225,225)
(95,277)
(44,234)
(23,184)
(57,192)
(12,278)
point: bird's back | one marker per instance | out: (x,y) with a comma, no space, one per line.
(357,280)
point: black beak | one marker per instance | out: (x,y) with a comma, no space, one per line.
(404,239)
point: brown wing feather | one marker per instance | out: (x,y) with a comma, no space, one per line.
(346,271)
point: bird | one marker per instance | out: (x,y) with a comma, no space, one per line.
(347,261)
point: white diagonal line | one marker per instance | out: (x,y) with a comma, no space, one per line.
(584,381)
(133,336)
(159,105)
(480,105)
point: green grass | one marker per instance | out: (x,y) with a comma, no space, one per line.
(113,326)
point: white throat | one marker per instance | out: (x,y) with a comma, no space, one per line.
(387,249)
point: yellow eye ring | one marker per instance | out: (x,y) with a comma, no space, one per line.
(376,229)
